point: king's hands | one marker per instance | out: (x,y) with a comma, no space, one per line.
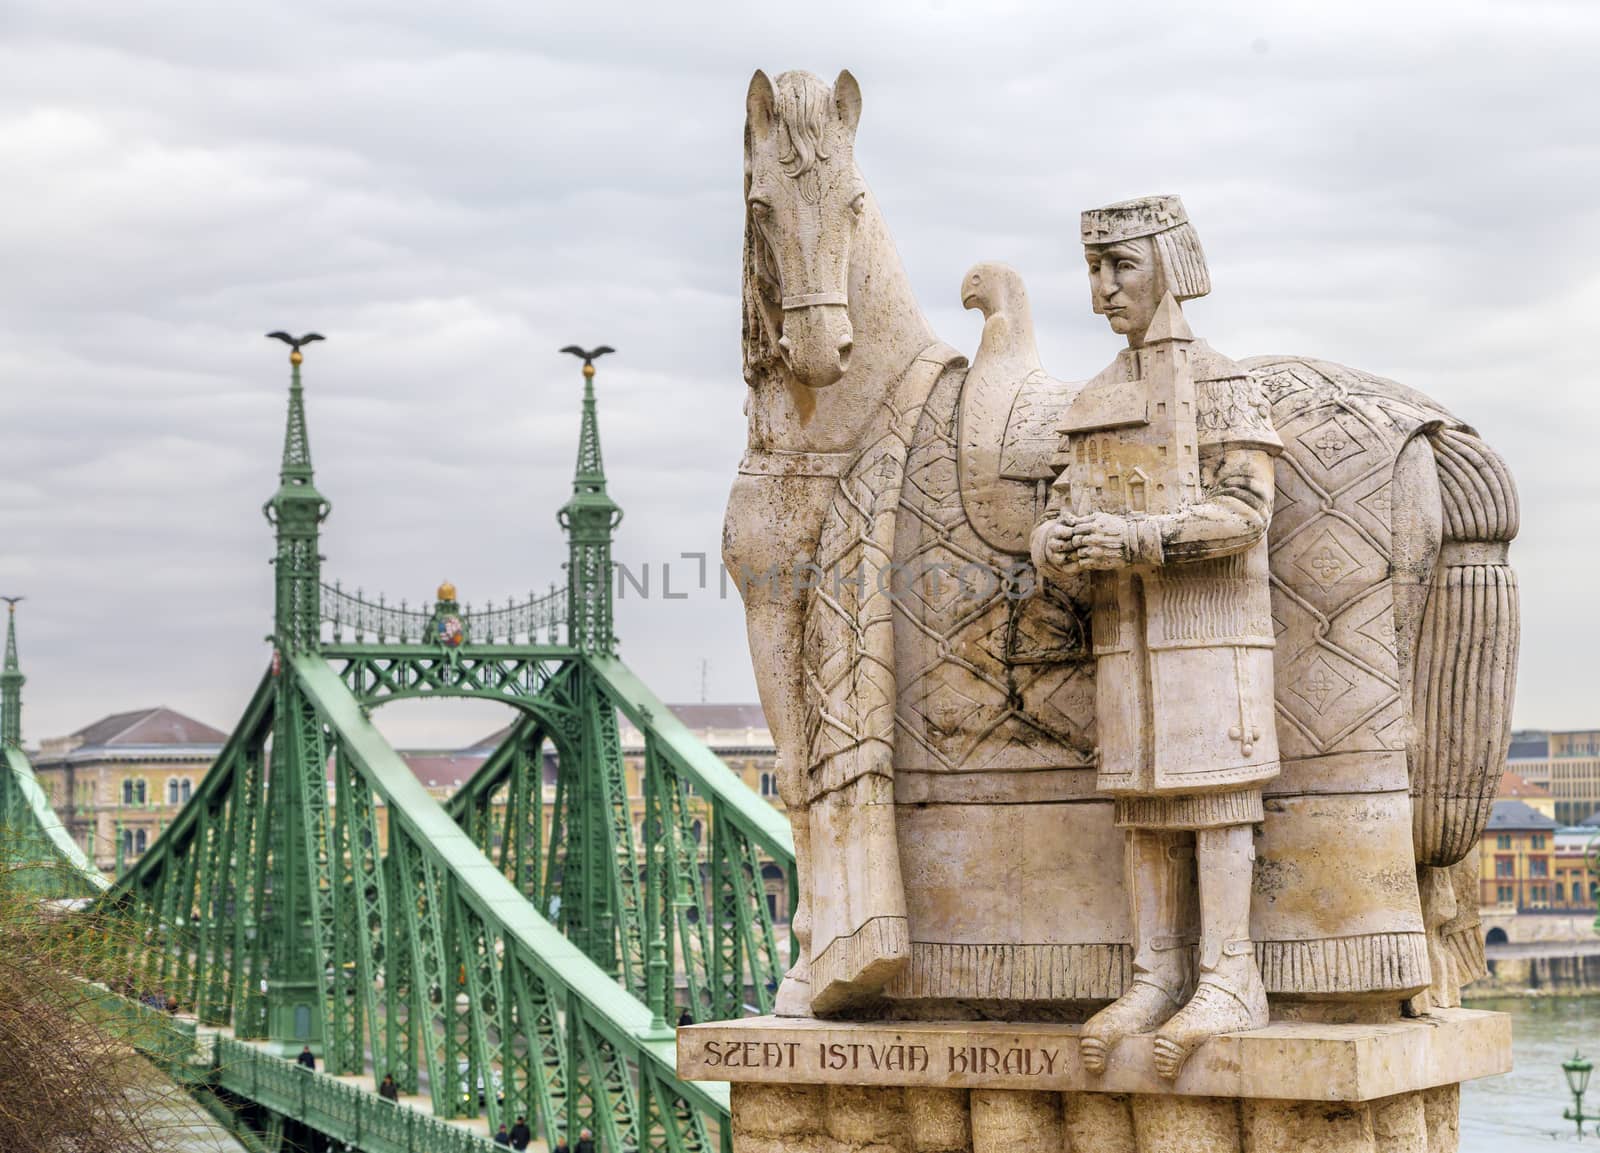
(1096,541)
(1102,541)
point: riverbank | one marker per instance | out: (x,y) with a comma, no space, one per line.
(1541,969)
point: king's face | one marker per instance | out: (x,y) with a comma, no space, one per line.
(1125,284)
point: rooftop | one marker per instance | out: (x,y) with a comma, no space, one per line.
(736,716)
(444,770)
(1513,786)
(158,727)
(1509,816)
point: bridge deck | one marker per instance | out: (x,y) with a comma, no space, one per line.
(365,1083)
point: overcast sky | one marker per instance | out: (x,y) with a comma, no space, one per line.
(452,191)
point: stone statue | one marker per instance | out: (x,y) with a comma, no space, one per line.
(1115,717)
(830,331)
(962,850)
(1165,495)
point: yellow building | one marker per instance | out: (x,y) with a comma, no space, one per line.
(118,782)
(1529,864)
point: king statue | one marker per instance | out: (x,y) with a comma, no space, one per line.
(1165,497)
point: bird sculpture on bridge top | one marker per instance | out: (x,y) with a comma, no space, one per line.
(11,602)
(295,342)
(589,356)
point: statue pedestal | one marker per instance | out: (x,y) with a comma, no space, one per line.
(807,1086)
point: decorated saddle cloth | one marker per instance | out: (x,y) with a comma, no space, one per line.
(1375,781)
(849,623)
(928,650)
(951,697)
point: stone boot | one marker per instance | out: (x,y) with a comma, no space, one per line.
(1229,997)
(1160,879)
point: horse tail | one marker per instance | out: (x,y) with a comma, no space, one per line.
(1466,668)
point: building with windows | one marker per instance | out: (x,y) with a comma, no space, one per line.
(118,782)
(1566,763)
(1529,864)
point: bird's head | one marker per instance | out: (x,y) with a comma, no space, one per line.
(990,287)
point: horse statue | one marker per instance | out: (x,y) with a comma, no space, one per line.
(933,702)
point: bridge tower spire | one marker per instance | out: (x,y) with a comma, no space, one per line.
(11,682)
(297,511)
(298,997)
(589,518)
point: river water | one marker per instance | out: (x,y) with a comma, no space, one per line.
(1522,1110)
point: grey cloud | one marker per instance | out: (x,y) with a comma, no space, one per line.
(452,192)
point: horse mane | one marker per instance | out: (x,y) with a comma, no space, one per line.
(803,105)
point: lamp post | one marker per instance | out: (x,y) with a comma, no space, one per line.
(1577,1071)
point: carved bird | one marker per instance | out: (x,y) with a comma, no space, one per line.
(1009,409)
(294,342)
(1007,352)
(591,355)
(12,601)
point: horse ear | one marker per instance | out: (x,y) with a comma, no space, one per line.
(847,100)
(759,105)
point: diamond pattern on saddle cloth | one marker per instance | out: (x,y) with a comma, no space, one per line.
(985,680)
(1336,667)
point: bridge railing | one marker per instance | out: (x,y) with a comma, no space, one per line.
(345,1113)
(170,1042)
(348,617)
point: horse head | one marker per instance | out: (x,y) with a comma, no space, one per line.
(804,200)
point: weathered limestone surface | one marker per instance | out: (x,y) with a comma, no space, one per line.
(1287,1060)
(1136,733)
(885,1119)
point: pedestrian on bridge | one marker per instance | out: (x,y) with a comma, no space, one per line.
(521,1135)
(389,1091)
(501,1137)
(585,1142)
(307,1059)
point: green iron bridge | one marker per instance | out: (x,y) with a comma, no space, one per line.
(312,891)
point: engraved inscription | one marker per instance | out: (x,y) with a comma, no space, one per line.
(1018,1059)
(865,1055)
(751,1054)
(937,1059)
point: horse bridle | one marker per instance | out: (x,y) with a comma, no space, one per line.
(810,299)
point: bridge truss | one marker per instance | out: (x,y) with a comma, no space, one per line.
(518,951)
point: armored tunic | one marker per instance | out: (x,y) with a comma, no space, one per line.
(1183,636)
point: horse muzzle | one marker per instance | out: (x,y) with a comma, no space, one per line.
(817,339)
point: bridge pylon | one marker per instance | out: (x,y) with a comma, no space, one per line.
(11,682)
(597,841)
(510,952)
(302,897)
